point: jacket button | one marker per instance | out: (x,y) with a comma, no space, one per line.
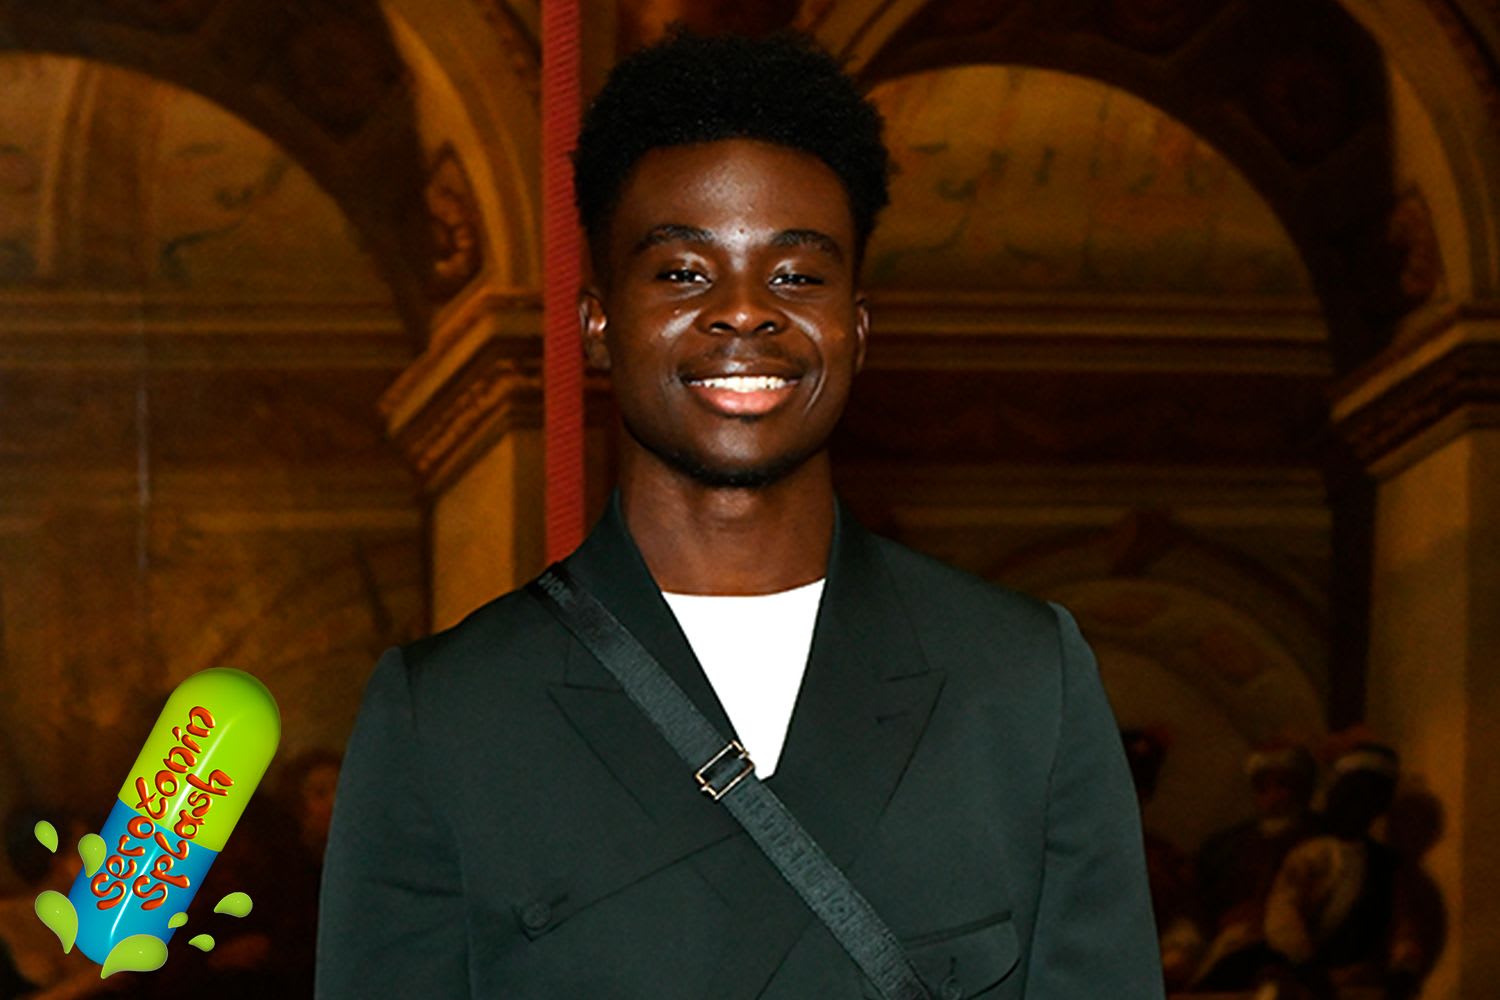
(536,916)
(952,989)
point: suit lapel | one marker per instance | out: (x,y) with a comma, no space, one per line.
(611,568)
(863,705)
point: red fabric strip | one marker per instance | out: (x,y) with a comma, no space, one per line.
(562,354)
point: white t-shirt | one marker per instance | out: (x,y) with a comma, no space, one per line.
(754,651)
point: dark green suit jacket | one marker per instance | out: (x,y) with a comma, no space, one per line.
(508,824)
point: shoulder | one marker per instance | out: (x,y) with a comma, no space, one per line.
(507,640)
(996,645)
(941,598)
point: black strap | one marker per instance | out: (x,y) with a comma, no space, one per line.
(725,773)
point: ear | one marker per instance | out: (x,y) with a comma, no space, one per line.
(861,329)
(592,324)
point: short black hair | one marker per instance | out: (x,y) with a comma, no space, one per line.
(689,88)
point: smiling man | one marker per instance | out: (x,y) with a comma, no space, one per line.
(516,820)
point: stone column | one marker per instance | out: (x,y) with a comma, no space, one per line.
(467,414)
(1425,420)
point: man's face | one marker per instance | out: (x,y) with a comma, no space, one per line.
(727,311)
(1278,794)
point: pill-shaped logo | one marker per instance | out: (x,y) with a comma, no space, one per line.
(179,804)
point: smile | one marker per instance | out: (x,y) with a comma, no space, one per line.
(743,383)
(742,395)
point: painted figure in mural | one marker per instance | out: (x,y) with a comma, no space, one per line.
(1335,911)
(1419,929)
(509,824)
(1236,866)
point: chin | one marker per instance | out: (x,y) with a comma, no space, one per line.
(742,475)
(728,475)
(736,479)
(726,470)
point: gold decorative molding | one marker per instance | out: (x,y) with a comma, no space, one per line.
(458,250)
(361,495)
(104,330)
(491,396)
(519,30)
(1434,384)
(511,317)
(479,381)
(1468,44)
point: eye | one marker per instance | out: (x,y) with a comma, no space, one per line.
(795,278)
(681,276)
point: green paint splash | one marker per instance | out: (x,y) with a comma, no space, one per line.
(91,850)
(177,920)
(236,904)
(203,942)
(58,914)
(46,835)
(137,953)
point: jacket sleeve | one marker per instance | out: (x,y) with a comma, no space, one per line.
(391,918)
(1094,933)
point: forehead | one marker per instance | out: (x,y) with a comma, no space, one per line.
(732,185)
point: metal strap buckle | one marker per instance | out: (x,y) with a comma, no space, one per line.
(706,785)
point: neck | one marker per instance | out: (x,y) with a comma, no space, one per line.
(699,539)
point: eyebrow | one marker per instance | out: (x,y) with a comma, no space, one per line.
(676,233)
(672,233)
(809,238)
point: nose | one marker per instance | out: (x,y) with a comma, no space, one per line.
(742,306)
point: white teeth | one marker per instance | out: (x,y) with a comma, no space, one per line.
(743,383)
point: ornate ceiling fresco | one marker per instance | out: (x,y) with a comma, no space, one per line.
(193,467)
(1018,179)
(111,179)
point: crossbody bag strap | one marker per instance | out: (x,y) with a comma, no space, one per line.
(724,772)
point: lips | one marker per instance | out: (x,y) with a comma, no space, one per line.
(743,390)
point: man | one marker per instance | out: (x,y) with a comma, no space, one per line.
(1237,865)
(509,824)
(1334,910)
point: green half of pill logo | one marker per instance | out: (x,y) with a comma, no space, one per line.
(205,756)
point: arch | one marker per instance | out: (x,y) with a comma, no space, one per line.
(1193,639)
(1451,75)
(122,182)
(190,421)
(1208,675)
(1027,181)
(1310,126)
(495,129)
(1149,546)
(324,82)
